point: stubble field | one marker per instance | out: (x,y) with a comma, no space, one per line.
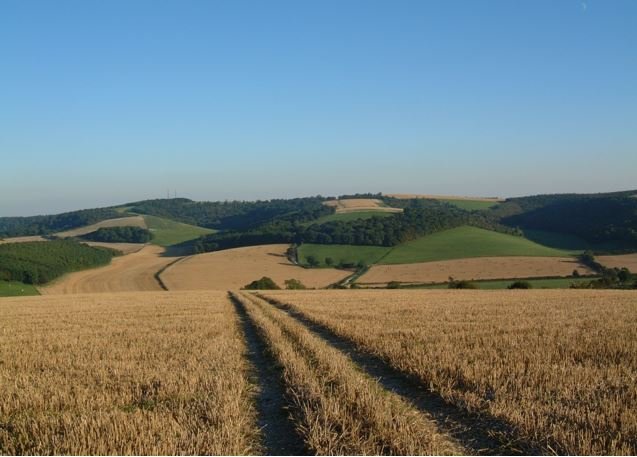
(132,272)
(320,372)
(558,367)
(124,374)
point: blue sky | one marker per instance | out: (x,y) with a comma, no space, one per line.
(103,102)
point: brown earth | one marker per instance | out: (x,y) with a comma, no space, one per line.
(234,268)
(131,221)
(619,261)
(349,205)
(133,272)
(446,197)
(474,269)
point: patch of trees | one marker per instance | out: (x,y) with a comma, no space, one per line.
(235,215)
(120,235)
(265,283)
(611,278)
(39,262)
(45,225)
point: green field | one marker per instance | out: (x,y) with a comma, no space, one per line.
(544,283)
(346,217)
(169,233)
(16,289)
(341,253)
(463,242)
(469,205)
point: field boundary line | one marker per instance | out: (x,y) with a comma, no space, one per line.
(480,433)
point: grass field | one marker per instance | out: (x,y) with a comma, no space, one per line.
(457,243)
(469,205)
(16,289)
(543,283)
(346,217)
(169,233)
(341,253)
(463,242)
(556,367)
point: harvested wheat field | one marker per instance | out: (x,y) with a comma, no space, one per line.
(130,221)
(127,374)
(21,239)
(554,369)
(446,197)
(337,409)
(474,269)
(132,272)
(349,205)
(234,268)
(619,261)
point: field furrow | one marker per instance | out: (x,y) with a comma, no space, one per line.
(338,409)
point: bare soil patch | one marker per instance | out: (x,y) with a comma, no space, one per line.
(234,268)
(474,269)
(133,272)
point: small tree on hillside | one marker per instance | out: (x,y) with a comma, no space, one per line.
(312,261)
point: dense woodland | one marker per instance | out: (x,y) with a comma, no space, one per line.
(39,262)
(120,235)
(234,215)
(45,225)
(598,220)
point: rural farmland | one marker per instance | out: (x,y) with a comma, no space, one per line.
(234,268)
(320,372)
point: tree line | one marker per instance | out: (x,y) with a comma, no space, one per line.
(120,235)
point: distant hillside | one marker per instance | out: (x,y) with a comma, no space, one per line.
(46,225)
(606,220)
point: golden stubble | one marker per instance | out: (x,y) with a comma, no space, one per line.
(559,366)
(136,373)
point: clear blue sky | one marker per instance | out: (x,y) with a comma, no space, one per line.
(103,102)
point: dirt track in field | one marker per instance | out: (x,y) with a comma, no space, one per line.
(474,269)
(133,272)
(350,205)
(132,221)
(619,261)
(234,268)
